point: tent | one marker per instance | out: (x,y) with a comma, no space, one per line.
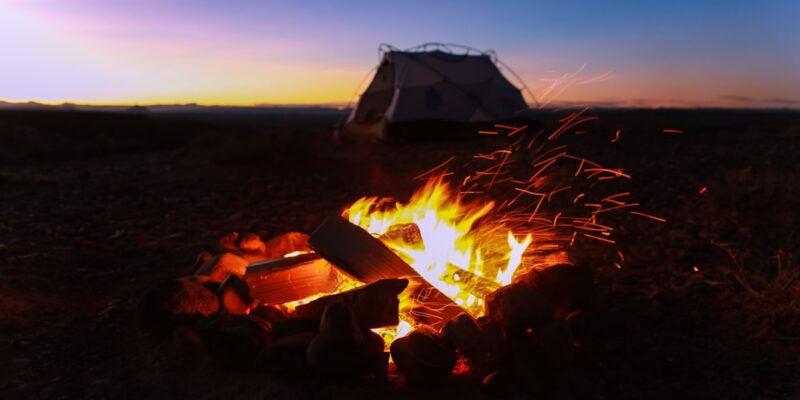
(433,83)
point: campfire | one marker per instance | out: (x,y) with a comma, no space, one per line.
(414,287)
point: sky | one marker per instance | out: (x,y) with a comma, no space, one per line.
(244,52)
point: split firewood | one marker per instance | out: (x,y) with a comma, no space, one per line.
(375,305)
(429,306)
(367,259)
(292,278)
(356,251)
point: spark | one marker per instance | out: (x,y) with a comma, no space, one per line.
(430,171)
(616,136)
(602,239)
(653,217)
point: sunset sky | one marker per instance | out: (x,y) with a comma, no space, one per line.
(652,53)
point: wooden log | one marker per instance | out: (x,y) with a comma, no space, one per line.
(430,306)
(375,305)
(357,252)
(366,258)
(293,278)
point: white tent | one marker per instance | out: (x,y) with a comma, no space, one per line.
(435,85)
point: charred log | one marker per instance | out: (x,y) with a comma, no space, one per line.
(375,305)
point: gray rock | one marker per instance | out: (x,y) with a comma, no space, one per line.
(234,341)
(424,356)
(287,354)
(518,307)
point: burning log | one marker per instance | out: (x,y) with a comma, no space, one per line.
(270,314)
(375,305)
(292,278)
(356,251)
(431,307)
(424,356)
(366,258)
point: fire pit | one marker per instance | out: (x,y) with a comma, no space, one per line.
(417,290)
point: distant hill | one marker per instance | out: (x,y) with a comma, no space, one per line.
(182,108)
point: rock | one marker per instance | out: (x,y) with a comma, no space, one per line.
(286,243)
(201,259)
(424,356)
(496,341)
(597,330)
(234,341)
(222,266)
(174,303)
(338,349)
(339,323)
(569,287)
(270,314)
(463,331)
(234,295)
(287,354)
(551,344)
(517,307)
(228,242)
(187,342)
(293,326)
(250,242)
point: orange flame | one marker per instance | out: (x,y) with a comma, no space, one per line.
(452,254)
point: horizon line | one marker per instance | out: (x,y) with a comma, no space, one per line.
(341,106)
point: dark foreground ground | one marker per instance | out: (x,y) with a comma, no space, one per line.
(97,208)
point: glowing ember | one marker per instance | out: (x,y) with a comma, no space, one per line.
(453,256)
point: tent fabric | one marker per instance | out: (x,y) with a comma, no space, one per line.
(435,85)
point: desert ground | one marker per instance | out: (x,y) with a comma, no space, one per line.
(98,207)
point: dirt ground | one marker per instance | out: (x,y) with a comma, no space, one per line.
(98,208)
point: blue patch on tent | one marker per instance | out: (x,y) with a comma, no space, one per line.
(433,100)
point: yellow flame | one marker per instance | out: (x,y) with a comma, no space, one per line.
(450,253)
